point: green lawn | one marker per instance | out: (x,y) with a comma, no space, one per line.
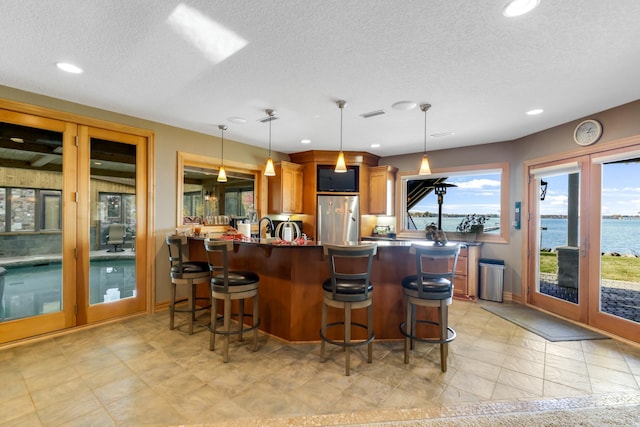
(613,267)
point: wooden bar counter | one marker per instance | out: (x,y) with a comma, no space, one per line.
(291,285)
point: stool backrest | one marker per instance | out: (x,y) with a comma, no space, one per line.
(218,259)
(174,243)
(352,273)
(435,262)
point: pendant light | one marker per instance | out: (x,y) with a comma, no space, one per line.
(341,167)
(268,168)
(425,169)
(222,175)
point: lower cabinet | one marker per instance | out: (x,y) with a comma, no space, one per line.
(465,281)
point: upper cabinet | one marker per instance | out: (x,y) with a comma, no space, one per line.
(381,190)
(285,189)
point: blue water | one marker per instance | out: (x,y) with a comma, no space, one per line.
(617,235)
(37,289)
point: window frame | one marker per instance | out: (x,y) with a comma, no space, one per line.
(505,211)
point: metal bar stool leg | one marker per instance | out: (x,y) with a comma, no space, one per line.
(324,331)
(192,307)
(241,317)
(214,325)
(347,337)
(444,333)
(227,327)
(409,330)
(172,306)
(256,320)
(370,332)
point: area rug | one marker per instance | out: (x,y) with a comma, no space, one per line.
(547,326)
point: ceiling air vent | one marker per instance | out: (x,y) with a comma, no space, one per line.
(373,114)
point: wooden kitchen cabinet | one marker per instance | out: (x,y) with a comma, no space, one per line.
(465,281)
(285,189)
(381,190)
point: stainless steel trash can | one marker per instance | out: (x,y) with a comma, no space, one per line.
(491,279)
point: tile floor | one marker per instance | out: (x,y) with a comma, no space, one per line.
(137,372)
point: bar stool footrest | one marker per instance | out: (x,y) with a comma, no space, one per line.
(345,344)
(218,331)
(451,334)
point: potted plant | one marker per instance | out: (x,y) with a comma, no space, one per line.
(470,226)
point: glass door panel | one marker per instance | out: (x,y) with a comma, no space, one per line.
(557,245)
(615,295)
(114,286)
(34,298)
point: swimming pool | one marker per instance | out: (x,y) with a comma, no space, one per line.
(37,289)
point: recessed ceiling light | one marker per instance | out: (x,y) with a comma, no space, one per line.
(17,140)
(375,145)
(404,105)
(237,120)
(519,7)
(535,112)
(305,141)
(69,68)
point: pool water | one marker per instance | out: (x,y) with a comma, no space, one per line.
(37,289)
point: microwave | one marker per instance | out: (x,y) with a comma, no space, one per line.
(330,181)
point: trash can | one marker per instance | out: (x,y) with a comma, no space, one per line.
(491,279)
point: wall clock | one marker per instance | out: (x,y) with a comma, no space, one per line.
(587,132)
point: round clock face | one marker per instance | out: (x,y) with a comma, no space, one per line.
(587,132)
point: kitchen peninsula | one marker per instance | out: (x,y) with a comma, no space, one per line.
(291,279)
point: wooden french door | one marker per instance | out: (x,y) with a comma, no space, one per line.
(61,186)
(112,197)
(584,219)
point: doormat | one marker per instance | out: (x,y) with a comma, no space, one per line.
(547,326)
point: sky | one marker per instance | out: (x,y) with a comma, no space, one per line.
(480,194)
(620,191)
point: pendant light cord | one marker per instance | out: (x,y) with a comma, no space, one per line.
(222,128)
(270,120)
(340,128)
(425,131)
(425,108)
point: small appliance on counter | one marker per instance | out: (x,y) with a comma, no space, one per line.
(287,230)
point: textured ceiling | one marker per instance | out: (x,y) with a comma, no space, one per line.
(479,70)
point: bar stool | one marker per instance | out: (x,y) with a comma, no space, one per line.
(191,274)
(431,287)
(348,288)
(229,286)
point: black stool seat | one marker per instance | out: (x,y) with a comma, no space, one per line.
(436,288)
(236,278)
(348,290)
(189,268)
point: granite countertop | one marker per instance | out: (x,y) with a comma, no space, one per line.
(276,243)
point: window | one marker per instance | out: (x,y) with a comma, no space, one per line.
(480,190)
(50,210)
(30,209)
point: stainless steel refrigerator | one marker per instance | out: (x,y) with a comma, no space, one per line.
(338,219)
